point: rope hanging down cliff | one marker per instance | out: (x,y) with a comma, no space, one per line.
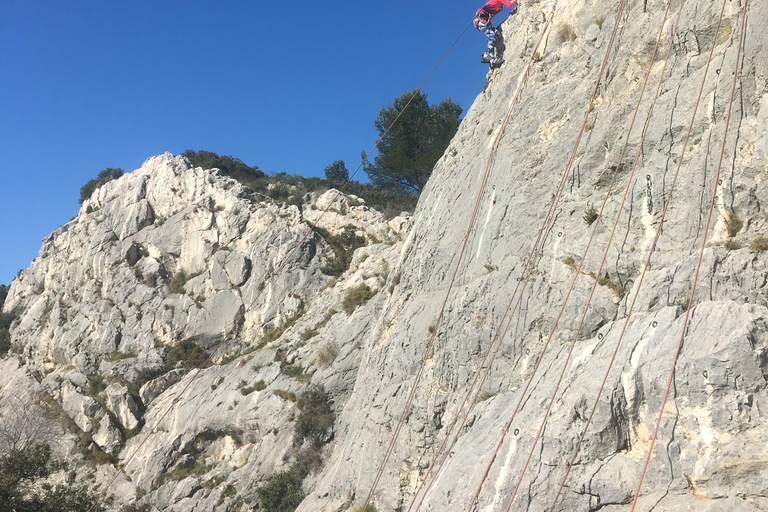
(524,278)
(639,283)
(428,348)
(540,358)
(613,232)
(279,268)
(698,264)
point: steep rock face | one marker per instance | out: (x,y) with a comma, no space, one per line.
(710,453)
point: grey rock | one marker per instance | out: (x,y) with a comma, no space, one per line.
(123,406)
(155,387)
(108,437)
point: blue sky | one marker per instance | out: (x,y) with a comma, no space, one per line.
(289,87)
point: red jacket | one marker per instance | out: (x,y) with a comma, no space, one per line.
(493,7)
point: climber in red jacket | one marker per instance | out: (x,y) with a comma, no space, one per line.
(483,23)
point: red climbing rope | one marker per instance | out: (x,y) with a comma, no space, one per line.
(432,338)
(525,276)
(698,265)
(639,283)
(567,297)
(610,239)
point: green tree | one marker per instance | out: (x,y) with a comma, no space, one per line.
(337,171)
(105,176)
(20,473)
(407,154)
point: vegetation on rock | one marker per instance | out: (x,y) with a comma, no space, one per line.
(105,176)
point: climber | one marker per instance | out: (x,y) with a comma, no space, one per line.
(483,23)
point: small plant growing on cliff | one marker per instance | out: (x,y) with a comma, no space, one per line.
(590,215)
(731,244)
(733,223)
(343,246)
(599,20)
(357,297)
(488,266)
(568,260)
(759,244)
(315,417)
(188,353)
(285,395)
(565,33)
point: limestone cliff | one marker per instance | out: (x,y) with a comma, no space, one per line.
(171,255)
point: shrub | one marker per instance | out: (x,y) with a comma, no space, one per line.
(611,285)
(568,260)
(485,395)
(190,354)
(295,372)
(285,395)
(590,215)
(565,33)
(177,283)
(731,244)
(282,492)
(315,417)
(105,176)
(308,334)
(395,281)
(259,385)
(599,20)
(488,266)
(733,223)
(759,244)
(343,246)
(95,384)
(357,297)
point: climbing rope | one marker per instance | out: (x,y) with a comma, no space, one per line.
(525,277)
(610,239)
(698,265)
(639,283)
(577,273)
(280,267)
(430,343)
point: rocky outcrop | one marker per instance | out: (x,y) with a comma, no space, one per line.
(170,257)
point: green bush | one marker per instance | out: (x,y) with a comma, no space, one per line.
(95,384)
(343,245)
(357,297)
(105,176)
(315,416)
(733,223)
(282,492)
(259,385)
(590,215)
(228,165)
(26,469)
(759,244)
(189,353)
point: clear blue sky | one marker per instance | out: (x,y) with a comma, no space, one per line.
(289,87)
